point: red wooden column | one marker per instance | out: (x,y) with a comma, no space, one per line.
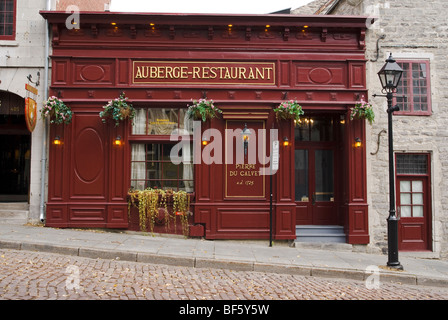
(56,209)
(357,218)
(285,207)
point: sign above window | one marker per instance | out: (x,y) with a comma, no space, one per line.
(196,72)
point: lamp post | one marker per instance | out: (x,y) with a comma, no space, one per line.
(390,75)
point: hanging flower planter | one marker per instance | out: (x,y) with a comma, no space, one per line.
(363,110)
(56,110)
(289,110)
(118,109)
(203,109)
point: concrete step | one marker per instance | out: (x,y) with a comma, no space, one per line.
(320,234)
(14,212)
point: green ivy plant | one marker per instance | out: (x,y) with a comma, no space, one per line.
(151,202)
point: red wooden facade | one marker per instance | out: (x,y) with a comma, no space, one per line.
(316,60)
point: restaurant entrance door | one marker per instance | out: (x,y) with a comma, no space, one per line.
(316,177)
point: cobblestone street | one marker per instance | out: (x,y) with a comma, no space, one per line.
(33,275)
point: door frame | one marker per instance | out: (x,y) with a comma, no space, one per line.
(307,208)
(412,222)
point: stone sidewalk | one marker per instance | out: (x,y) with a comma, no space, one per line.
(221,254)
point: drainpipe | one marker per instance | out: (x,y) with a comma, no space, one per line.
(44,138)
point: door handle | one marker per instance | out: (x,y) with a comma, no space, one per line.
(313,198)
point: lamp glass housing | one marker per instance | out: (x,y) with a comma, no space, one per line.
(57,141)
(390,74)
(245,133)
(117,141)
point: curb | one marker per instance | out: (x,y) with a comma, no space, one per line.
(347,274)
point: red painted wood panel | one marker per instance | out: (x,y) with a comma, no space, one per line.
(88,173)
(320,67)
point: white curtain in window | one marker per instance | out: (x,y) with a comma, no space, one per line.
(162,121)
(138,166)
(187,155)
(139,126)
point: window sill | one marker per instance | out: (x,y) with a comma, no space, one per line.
(9,43)
(413,114)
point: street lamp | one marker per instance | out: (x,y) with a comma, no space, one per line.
(390,75)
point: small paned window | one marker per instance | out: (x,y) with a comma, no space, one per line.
(314,129)
(412,163)
(159,121)
(7,19)
(152,165)
(413,95)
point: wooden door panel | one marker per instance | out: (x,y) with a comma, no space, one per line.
(413,236)
(324,214)
(413,209)
(89,165)
(303,214)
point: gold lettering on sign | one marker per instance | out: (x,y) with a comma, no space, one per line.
(203,72)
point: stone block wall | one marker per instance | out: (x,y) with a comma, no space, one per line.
(19,58)
(413,30)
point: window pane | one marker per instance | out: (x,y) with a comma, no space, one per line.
(9,17)
(321,129)
(302,130)
(324,175)
(405,211)
(412,164)
(301,176)
(9,5)
(138,167)
(405,198)
(405,186)
(161,121)
(139,126)
(417,186)
(417,211)
(412,93)
(314,129)
(417,198)
(151,166)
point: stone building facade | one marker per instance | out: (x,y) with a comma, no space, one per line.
(22,57)
(416,34)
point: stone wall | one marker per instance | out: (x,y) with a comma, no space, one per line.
(19,58)
(413,30)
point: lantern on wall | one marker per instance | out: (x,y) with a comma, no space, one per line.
(245,135)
